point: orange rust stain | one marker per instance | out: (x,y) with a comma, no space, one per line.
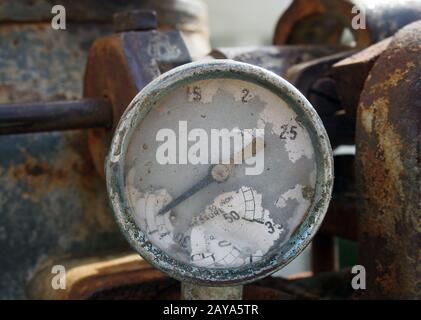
(73,171)
(39,177)
(392,80)
(386,280)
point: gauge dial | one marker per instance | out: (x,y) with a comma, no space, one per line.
(219,169)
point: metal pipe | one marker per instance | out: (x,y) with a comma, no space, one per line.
(32,117)
(388,171)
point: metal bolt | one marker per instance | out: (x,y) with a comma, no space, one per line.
(133,20)
(29,117)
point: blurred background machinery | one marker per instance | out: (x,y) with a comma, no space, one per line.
(66,89)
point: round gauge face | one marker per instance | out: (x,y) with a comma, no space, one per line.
(219,171)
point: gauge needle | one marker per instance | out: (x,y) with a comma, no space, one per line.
(217,173)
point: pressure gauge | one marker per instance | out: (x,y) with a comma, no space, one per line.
(219,172)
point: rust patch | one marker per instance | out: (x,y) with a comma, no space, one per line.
(388,170)
(308,193)
(97,214)
(39,177)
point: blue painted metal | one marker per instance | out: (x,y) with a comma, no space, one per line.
(52,201)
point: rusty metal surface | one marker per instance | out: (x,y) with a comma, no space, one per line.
(188,16)
(54,115)
(350,75)
(50,190)
(315,81)
(277,59)
(323,21)
(304,75)
(52,202)
(308,22)
(38,63)
(119,66)
(76,10)
(187,12)
(388,170)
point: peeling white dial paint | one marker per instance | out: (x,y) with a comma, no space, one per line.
(294,194)
(234,222)
(159,227)
(236,234)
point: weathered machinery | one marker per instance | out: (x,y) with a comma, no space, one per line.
(68,90)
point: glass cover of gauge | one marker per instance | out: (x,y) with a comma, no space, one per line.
(219,172)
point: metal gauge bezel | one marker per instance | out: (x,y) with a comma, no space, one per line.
(138,109)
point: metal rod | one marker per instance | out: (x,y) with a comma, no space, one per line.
(191,291)
(31,117)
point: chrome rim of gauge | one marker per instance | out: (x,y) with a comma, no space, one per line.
(210,215)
